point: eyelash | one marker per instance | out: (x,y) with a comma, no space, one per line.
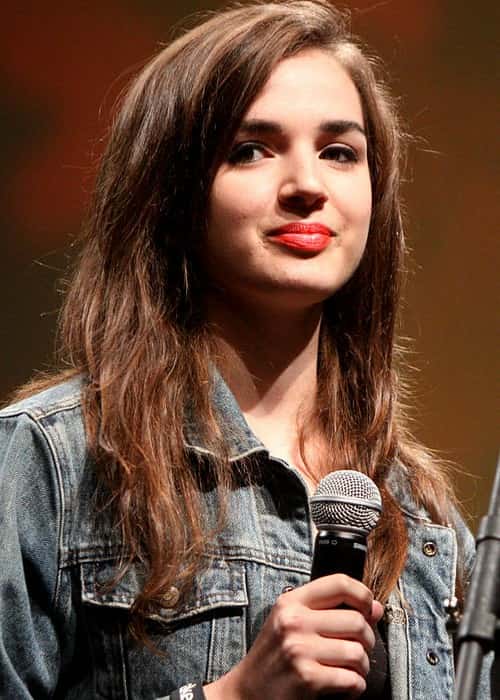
(349,155)
(237,155)
(241,153)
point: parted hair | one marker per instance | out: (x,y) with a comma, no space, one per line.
(133,322)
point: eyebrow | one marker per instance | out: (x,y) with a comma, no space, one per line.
(335,127)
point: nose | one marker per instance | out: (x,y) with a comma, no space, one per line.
(302,189)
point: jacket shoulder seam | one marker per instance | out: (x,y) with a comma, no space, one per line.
(38,413)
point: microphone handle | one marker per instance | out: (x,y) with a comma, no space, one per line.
(337,552)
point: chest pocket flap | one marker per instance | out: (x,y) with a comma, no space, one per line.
(221,585)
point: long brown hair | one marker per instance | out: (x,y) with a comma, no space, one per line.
(132,322)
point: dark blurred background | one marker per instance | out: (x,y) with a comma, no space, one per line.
(63,64)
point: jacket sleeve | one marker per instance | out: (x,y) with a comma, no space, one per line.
(31,621)
(486,689)
(38,626)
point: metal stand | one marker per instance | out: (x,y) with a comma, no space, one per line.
(479,630)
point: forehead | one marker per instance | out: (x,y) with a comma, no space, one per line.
(310,83)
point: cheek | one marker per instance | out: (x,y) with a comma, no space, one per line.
(355,206)
(355,203)
(237,204)
(228,225)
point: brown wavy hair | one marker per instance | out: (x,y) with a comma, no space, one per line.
(133,323)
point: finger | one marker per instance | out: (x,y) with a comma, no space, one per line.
(331,591)
(344,624)
(342,653)
(321,678)
(377,612)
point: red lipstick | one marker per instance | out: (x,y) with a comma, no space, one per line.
(311,237)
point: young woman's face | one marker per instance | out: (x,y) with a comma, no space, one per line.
(290,206)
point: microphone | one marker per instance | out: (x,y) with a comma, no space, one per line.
(345,508)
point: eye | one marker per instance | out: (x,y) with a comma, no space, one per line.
(247,152)
(340,154)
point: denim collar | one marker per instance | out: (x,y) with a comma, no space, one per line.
(237,435)
(241,442)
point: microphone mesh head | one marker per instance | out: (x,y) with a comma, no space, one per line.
(347,500)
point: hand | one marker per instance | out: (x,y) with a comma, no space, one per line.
(307,646)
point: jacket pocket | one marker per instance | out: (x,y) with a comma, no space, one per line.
(198,639)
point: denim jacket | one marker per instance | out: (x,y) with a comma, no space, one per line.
(64,635)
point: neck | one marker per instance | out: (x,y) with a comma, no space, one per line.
(269,361)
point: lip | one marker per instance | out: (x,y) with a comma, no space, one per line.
(310,237)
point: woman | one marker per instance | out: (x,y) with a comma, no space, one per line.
(229,331)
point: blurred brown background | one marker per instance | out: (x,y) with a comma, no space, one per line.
(62,66)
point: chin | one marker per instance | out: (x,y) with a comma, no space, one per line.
(300,296)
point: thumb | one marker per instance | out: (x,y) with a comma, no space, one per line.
(377,612)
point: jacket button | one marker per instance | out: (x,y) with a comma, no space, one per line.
(432,658)
(171,597)
(430,549)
